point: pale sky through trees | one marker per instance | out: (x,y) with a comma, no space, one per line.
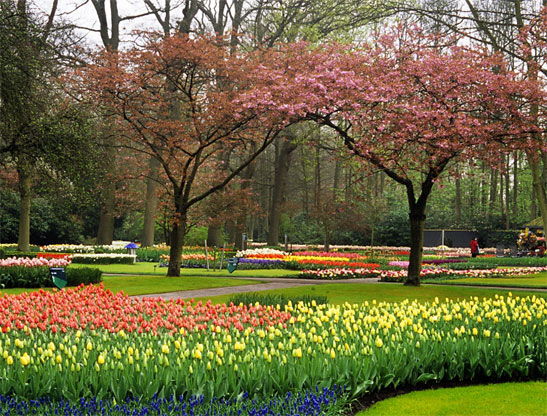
(83,15)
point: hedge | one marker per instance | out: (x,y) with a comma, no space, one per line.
(31,277)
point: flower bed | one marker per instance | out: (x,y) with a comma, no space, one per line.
(111,346)
(35,272)
(336,274)
(312,402)
(105,258)
(35,262)
(305,260)
(432,273)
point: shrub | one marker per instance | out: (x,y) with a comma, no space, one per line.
(85,275)
(20,276)
(29,277)
(151,254)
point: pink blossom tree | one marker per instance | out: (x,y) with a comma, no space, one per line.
(408,103)
(173,99)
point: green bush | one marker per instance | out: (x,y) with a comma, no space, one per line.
(20,276)
(85,275)
(30,277)
(151,254)
(30,254)
(275,299)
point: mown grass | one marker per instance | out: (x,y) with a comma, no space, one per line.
(513,399)
(535,281)
(153,269)
(338,293)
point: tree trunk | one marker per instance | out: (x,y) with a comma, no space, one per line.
(105,234)
(24,182)
(336,182)
(417,221)
(317,175)
(515,185)
(493,192)
(283,161)
(326,246)
(214,236)
(150,204)
(507,197)
(483,189)
(500,197)
(458,202)
(177,242)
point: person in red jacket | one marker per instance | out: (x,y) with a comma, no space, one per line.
(474,244)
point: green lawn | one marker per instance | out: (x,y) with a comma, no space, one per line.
(142,285)
(508,399)
(148,268)
(339,293)
(538,280)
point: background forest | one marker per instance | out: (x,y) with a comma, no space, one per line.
(67,178)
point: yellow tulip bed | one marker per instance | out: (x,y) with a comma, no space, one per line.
(151,348)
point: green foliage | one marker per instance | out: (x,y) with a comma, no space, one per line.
(29,277)
(151,254)
(83,275)
(505,238)
(18,254)
(276,299)
(196,236)
(20,276)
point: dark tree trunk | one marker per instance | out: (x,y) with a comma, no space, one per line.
(23,241)
(507,197)
(214,236)
(417,221)
(515,185)
(105,234)
(150,204)
(280,183)
(458,207)
(177,242)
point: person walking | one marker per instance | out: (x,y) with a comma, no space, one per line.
(474,245)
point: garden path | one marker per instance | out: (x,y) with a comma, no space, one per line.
(269,284)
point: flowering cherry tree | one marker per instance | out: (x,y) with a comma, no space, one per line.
(173,99)
(410,104)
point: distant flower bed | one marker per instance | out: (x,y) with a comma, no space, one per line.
(105,258)
(298,260)
(81,248)
(336,274)
(404,263)
(34,262)
(53,255)
(427,273)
